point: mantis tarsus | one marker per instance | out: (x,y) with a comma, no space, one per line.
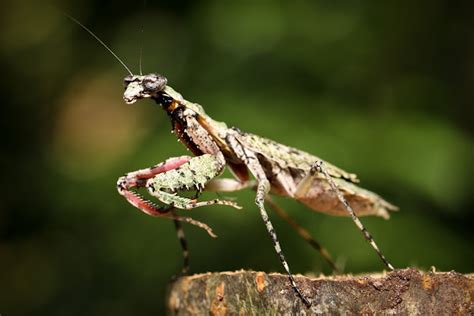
(277,169)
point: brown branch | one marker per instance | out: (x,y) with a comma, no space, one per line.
(406,291)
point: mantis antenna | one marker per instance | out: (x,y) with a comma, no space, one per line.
(100,41)
(140,61)
(141,42)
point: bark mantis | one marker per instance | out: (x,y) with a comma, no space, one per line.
(277,169)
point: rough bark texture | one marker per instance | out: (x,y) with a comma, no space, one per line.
(404,292)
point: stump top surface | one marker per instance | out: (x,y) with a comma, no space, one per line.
(407,291)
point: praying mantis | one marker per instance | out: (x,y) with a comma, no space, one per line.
(276,168)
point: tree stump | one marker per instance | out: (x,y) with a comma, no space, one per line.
(407,291)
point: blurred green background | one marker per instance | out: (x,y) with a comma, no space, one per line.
(382,89)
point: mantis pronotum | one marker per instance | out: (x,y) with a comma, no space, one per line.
(277,169)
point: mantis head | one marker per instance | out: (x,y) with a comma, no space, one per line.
(139,87)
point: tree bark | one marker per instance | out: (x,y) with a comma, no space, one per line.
(407,291)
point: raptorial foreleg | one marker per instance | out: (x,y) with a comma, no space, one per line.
(192,175)
(137,179)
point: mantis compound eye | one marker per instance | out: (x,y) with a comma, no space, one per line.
(154,83)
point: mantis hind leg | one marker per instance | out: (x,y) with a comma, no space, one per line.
(303,233)
(231,185)
(318,166)
(263,187)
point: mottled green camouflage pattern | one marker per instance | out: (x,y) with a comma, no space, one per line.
(192,175)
